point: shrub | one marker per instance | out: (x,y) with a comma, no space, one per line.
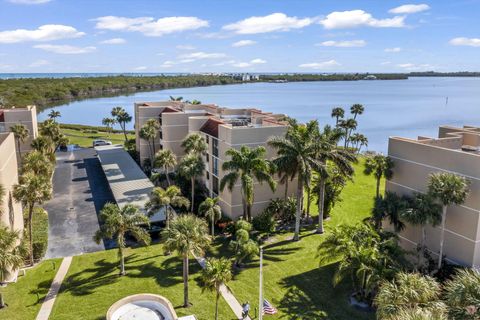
(243,247)
(264,222)
(40,233)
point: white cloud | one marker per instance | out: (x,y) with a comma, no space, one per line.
(141,68)
(167,64)
(258,61)
(243,43)
(39,63)
(114,41)
(359,18)
(251,63)
(46,32)
(29,1)
(202,55)
(149,26)
(462,41)
(64,49)
(396,49)
(270,23)
(415,67)
(384,63)
(343,44)
(409,8)
(320,65)
(185,47)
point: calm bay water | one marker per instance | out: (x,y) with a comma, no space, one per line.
(408,108)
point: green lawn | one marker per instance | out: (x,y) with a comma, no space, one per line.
(84,139)
(25,297)
(293,281)
(92,284)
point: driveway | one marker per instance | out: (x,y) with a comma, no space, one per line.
(79,192)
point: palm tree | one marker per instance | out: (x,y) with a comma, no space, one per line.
(164,198)
(32,190)
(422,211)
(11,256)
(391,206)
(122,118)
(194,143)
(298,150)
(176,98)
(348,126)
(356,109)
(53,115)
(358,140)
(109,123)
(117,223)
(211,210)
(2,194)
(338,113)
(217,272)
(328,152)
(148,132)
(410,292)
(381,167)
(449,189)
(462,295)
(20,132)
(247,165)
(37,163)
(187,234)
(165,159)
(191,167)
(45,146)
(52,130)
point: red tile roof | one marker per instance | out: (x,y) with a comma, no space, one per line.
(211,127)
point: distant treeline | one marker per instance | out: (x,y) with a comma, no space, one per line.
(444,74)
(45,92)
(332,77)
(83,127)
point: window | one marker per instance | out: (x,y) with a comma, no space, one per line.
(207,139)
(207,157)
(215,166)
(215,147)
(161,135)
(208,175)
(215,185)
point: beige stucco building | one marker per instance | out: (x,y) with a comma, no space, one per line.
(456,150)
(26,116)
(11,210)
(222,128)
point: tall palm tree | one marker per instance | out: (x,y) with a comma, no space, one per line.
(381,167)
(462,295)
(164,198)
(194,143)
(211,210)
(45,146)
(117,223)
(410,292)
(348,125)
(217,272)
(338,113)
(37,163)
(12,253)
(328,152)
(358,140)
(148,132)
(20,132)
(52,130)
(390,206)
(298,150)
(32,190)
(54,114)
(109,123)
(165,159)
(422,211)
(122,118)
(356,109)
(449,189)
(191,166)
(247,165)
(187,234)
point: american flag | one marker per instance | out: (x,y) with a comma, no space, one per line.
(268,308)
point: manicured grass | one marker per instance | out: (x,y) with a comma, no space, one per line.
(92,284)
(85,139)
(293,281)
(25,297)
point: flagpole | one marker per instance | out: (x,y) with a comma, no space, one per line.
(260,294)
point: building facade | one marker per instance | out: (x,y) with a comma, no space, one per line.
(26,116)
(456,150)
(11,210)
(222,128)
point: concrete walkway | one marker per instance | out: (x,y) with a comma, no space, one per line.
(49,301)
(227,294)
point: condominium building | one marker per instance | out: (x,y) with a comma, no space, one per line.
(456,150)
(26,116)
(222,128)
(11,210)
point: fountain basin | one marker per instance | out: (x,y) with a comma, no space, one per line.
(142,306)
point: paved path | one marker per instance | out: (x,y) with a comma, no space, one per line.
(49,301)
(227,295)
(79,192)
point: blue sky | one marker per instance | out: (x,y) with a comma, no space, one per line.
(238,36)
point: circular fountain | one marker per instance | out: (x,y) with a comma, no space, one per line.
(142,307)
